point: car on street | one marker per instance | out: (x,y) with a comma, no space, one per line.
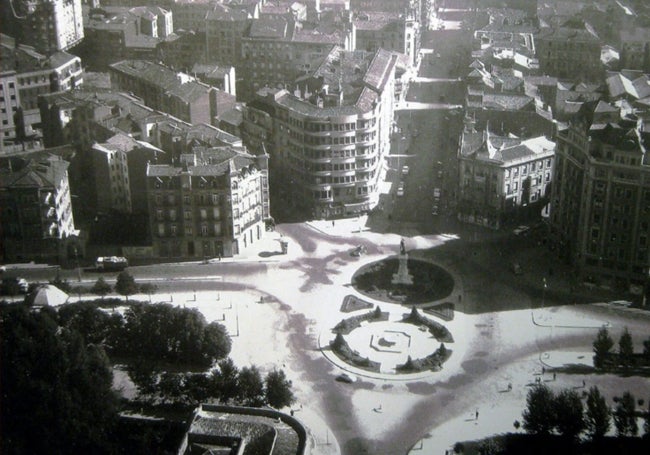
(436,193)
(434,209)
(515,268)
(358,251)
(347,378)
(620,303)
(400,189)
(405,170)
(521,230)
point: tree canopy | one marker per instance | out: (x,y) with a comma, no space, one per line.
(539,415)
(164,333)
(125,284)
(278,389)
(598,416)
(56,388)
(602,346)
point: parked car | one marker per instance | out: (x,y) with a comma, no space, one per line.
(434,209)
(521,230)
(515,267)
(621,303)
(358,251)
(405,170)
(400,189)
(436,193)
(347,378)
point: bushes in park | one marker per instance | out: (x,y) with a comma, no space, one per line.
(349,324)
(341,348)
(439,331)
(624,358)
(431,362)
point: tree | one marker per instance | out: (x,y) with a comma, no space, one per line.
(101,287)
(646,424)
(162,333)
(646,350)
(338,342)
(64,285)
(598,416)
(250,387)
(278,389)
(624,416)
(539,415)
(224,380)
(602,345)
(625,349)
(569,420)
(125,284)
(149,289)
(57,387)
(96,326)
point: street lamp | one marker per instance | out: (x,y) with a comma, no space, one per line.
(76,260)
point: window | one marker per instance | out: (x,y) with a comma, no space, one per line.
(161,230)
(174,229)
(204,230)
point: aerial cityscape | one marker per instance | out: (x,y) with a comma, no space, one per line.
(325,227)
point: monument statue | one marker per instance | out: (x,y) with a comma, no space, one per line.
(402,276)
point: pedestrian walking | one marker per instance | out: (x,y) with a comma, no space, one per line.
(476,414)
(584,384)
(509,386)
(554,376)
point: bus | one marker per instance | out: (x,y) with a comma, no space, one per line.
(111,263)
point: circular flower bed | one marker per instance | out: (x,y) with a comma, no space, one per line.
(430,282)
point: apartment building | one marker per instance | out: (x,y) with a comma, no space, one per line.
(328,138)
(117,33)
(498,175)
(213,203)
(392,31)
(600,202)
(163,89)
(275,52)
(569,53)
(635,48)
(46,25)
(224,27)
(37,221)
(24,75)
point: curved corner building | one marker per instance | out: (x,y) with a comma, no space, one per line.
(328,137)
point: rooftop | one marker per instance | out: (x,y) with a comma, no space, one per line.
(25,59)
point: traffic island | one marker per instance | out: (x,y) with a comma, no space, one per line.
(430,282)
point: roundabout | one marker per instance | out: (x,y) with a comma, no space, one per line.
(430,282)
(393,344)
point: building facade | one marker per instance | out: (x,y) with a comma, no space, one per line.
(163,89)
(25,75)
(47,25)
(36,212)
(213,204)
(390,31)
(600,203)
(499,175)
(569,53)
(327,140)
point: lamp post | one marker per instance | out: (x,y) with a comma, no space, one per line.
(76,260)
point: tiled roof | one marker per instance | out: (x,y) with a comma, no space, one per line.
(269,28)
(44,173)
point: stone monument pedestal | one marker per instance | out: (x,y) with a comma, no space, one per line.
(403,276)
